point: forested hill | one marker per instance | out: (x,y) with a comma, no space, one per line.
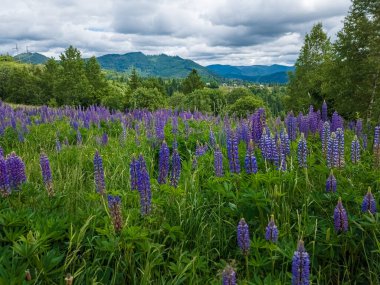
(147,65)
(255,73)
(176,67)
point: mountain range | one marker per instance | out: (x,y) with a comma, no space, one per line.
(176,67)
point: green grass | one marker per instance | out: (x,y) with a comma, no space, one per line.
(190,235)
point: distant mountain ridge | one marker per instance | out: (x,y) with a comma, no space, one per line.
(166,66)
(255,73)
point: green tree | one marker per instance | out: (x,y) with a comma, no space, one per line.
(354,78)
(177,101)
(151,99)
(134,80)
(305,83)
(73,86)
(198,100)
(237,93)
(192,82)
(96,79)
(245,106)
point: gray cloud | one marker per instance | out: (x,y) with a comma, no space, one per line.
(239,32)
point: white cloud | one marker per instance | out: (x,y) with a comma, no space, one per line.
(239,32)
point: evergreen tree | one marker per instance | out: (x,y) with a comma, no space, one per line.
(305,84)
(192,82)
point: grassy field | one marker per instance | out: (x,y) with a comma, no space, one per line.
(190,234)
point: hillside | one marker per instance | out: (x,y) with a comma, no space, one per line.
(256,73)
(152,65)
(176,67)
(31,57)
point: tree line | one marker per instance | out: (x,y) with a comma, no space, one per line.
(346,72)
(71,80)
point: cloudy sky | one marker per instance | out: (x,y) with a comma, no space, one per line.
(237,32)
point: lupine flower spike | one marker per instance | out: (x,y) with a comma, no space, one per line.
(300,266)
(218,162)
(16,171)
(99,174)
(250,159)
(163,169)
(133,172)
(243,236)
(46,174)
(302,152)
(176,167)
(4,178)
(340,217)
(229,276)
(331,183)
(369,203)
(114,204)
(271,232)
(355,150)
(143,186)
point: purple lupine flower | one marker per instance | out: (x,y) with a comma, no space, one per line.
(332,151)
(359,127)
(376,146)
(271,231)
(104,139)
(285,142)
(304,125)
(4,178)
(278,155)
(20,136)
(355,150)
(79,137)
(324,111)
(174,125)
(243,236)
(114,204)
(300,266)
(176,166)
(325,136)
(313,120)
(133,172)
(365,141)
(229,276)
(291,126)
(339,162)
(258,123)
(250,159)
(351,125)
(369,203)
(200,149)
(143,186)
(58,146)
(16,170)
(340,217)
(336,122)
(66,141)
(163,169)
(302,152)
(46,174)
(123,137)
(212,140)
(218,162)
(331,183)
(99,174)
(232,152)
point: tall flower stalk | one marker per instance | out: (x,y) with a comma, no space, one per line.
(218,161)
(100,185)
(301,266)
(369,203)
(175,172)
(250,159)
(143,186)
(302,152)
(114,205)
(163,169)
(340,217)
(46,174)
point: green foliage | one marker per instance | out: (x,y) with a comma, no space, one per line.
(143,97)
(305,84)
(245,105)
(192,82)
(177,101)
(346,73)
(237,93)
